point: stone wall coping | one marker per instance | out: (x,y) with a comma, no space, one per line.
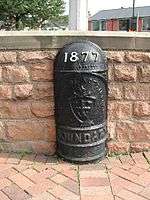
(15,40)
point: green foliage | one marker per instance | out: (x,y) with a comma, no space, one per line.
(18,14)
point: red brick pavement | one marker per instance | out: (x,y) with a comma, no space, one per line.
(38,177)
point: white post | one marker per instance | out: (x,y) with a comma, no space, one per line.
(78,15)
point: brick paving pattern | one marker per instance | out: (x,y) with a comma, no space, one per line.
(39,177)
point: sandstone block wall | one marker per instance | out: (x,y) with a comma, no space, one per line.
(129,101)
(27,104)
(26,101)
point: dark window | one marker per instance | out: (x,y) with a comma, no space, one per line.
(103,25)
(95,25)
(133,24)
(146,23)
(123,24)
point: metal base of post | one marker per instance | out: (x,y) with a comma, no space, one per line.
(81,161)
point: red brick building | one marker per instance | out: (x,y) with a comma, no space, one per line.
(121,19)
